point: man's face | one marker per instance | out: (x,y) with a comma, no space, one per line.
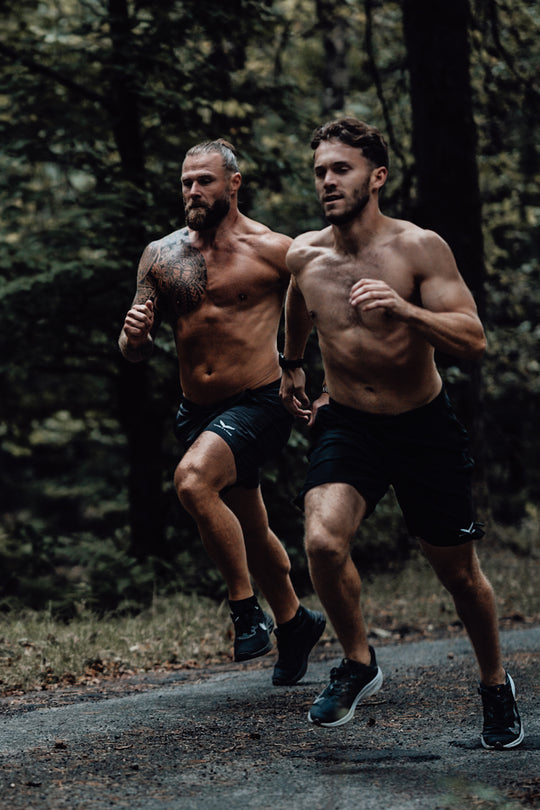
(206,190)
(342,180)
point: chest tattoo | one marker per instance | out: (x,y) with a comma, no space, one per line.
(180,274)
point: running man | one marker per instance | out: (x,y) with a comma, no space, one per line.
(222,282)
(383,294)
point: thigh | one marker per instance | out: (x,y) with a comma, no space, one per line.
(344,451)
(335,510)
(256,428)
(211,460)
(432,476)
(453,564)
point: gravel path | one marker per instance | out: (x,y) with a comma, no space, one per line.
(226,738)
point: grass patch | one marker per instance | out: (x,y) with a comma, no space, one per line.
(182,631)
(39,651)
(411,598)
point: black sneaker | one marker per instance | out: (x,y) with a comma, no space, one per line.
(349,683)
(295,645)
(252,630)
(502,723)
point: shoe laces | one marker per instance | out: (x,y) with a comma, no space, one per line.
(340,678)
(498,706)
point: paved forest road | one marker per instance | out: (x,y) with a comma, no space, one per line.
(226,738)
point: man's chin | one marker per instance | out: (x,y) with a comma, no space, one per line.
(335,218)
(196,219)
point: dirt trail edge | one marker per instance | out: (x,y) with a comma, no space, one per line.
(226,738)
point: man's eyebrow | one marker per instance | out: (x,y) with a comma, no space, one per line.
(335,164)
(197,175)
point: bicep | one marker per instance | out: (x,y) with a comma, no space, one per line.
(442,287)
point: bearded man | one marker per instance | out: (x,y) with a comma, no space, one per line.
(222,281)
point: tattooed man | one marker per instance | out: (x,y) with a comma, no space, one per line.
(222,281)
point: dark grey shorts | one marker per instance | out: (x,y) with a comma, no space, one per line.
(254,424)
(423,454)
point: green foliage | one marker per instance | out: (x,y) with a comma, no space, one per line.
(96,112)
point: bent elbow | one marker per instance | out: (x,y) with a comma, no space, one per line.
(482,345)
(478,348)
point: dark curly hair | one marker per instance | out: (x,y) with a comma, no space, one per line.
(354,133)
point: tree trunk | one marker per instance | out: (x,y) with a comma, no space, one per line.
(444,132)
(139,415)
(444,146)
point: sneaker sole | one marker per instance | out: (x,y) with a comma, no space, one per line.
(261,650)
(318,630)
(369,689)
(500,747)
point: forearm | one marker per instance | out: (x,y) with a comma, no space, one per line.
(298,324)
(135,353)
(458,334)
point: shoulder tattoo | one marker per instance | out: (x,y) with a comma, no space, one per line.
(179,273)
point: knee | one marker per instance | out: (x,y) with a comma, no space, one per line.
(463,582)
(323,549)
(190,484)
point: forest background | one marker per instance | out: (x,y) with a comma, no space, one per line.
(99,100)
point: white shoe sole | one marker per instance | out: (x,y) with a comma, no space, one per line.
(369,689)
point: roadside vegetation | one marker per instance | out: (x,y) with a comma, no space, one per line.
(102,573)
(40,651)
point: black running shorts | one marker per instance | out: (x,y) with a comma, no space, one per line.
(423,454)
(254,424)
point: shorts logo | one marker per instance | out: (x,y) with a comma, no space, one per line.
(474,531)
(227,428)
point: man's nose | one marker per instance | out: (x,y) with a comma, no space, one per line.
(195,190)
(329,179)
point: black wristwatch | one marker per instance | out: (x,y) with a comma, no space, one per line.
(284,363)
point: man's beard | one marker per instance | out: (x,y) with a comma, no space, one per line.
(206,217)
(360,201)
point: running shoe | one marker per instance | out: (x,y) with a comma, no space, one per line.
(252,628)
(349,683)
(294,646)
(502,723)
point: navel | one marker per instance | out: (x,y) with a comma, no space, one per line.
(242,297)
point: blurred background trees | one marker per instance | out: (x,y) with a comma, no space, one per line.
(99,100)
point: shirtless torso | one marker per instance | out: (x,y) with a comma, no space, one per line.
(224,302)
(382,294)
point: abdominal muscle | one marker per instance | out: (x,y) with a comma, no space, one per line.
(387,375)
(220,365)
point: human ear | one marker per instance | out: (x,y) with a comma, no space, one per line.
(236,181)
(378,176)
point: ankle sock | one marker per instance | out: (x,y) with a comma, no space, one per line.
(239,605)
(295,622)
